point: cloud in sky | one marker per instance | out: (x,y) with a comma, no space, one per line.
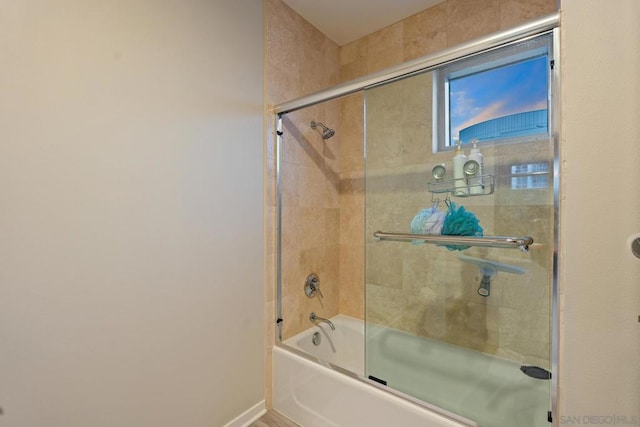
(497,93)
(490,112)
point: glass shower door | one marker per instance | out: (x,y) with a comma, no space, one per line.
(463,326)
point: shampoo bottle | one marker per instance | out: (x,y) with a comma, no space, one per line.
(475,182)
(459,160)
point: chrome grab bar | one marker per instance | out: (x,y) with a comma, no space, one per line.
(521,243)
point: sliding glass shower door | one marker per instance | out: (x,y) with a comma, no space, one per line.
(459,256)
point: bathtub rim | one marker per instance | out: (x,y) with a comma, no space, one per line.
(451,416)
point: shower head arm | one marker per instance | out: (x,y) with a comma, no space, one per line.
(326,132)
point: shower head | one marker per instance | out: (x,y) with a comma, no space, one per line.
(326,132)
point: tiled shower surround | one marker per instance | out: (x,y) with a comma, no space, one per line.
(323,229)
(425,289)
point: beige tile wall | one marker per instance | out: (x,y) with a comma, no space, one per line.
(438,302)
(310,228)
(323,183)
(299,60)
(445,25)
(352,206)
(427,290)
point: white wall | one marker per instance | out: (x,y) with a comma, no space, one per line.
(131,242)
(599,370)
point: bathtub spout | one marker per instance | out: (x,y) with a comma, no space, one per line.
(313,317)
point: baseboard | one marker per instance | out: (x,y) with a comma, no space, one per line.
(248,416)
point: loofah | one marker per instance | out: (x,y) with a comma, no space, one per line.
(427,221)
(460,222)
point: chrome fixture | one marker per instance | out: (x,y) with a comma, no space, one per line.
(312,286)
(313,317)
(438,172)
(471,168)
(326,132)
(316,339)
(488,272)
(489,269)
(521,243)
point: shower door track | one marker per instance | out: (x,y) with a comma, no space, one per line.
(474,47)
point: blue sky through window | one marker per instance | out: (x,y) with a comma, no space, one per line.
(498,92)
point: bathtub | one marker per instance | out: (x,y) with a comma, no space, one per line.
(315,391)
(325,385)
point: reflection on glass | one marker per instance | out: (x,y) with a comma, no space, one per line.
(429,332)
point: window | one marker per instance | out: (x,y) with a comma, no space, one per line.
(500,95)
(528,176)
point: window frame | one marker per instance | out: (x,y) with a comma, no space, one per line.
(534,47)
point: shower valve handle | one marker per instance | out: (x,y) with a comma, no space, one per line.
(312,286)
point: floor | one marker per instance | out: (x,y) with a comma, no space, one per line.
(273,419)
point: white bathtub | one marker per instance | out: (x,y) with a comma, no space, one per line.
(316,396)
(343,347)
(489,390)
